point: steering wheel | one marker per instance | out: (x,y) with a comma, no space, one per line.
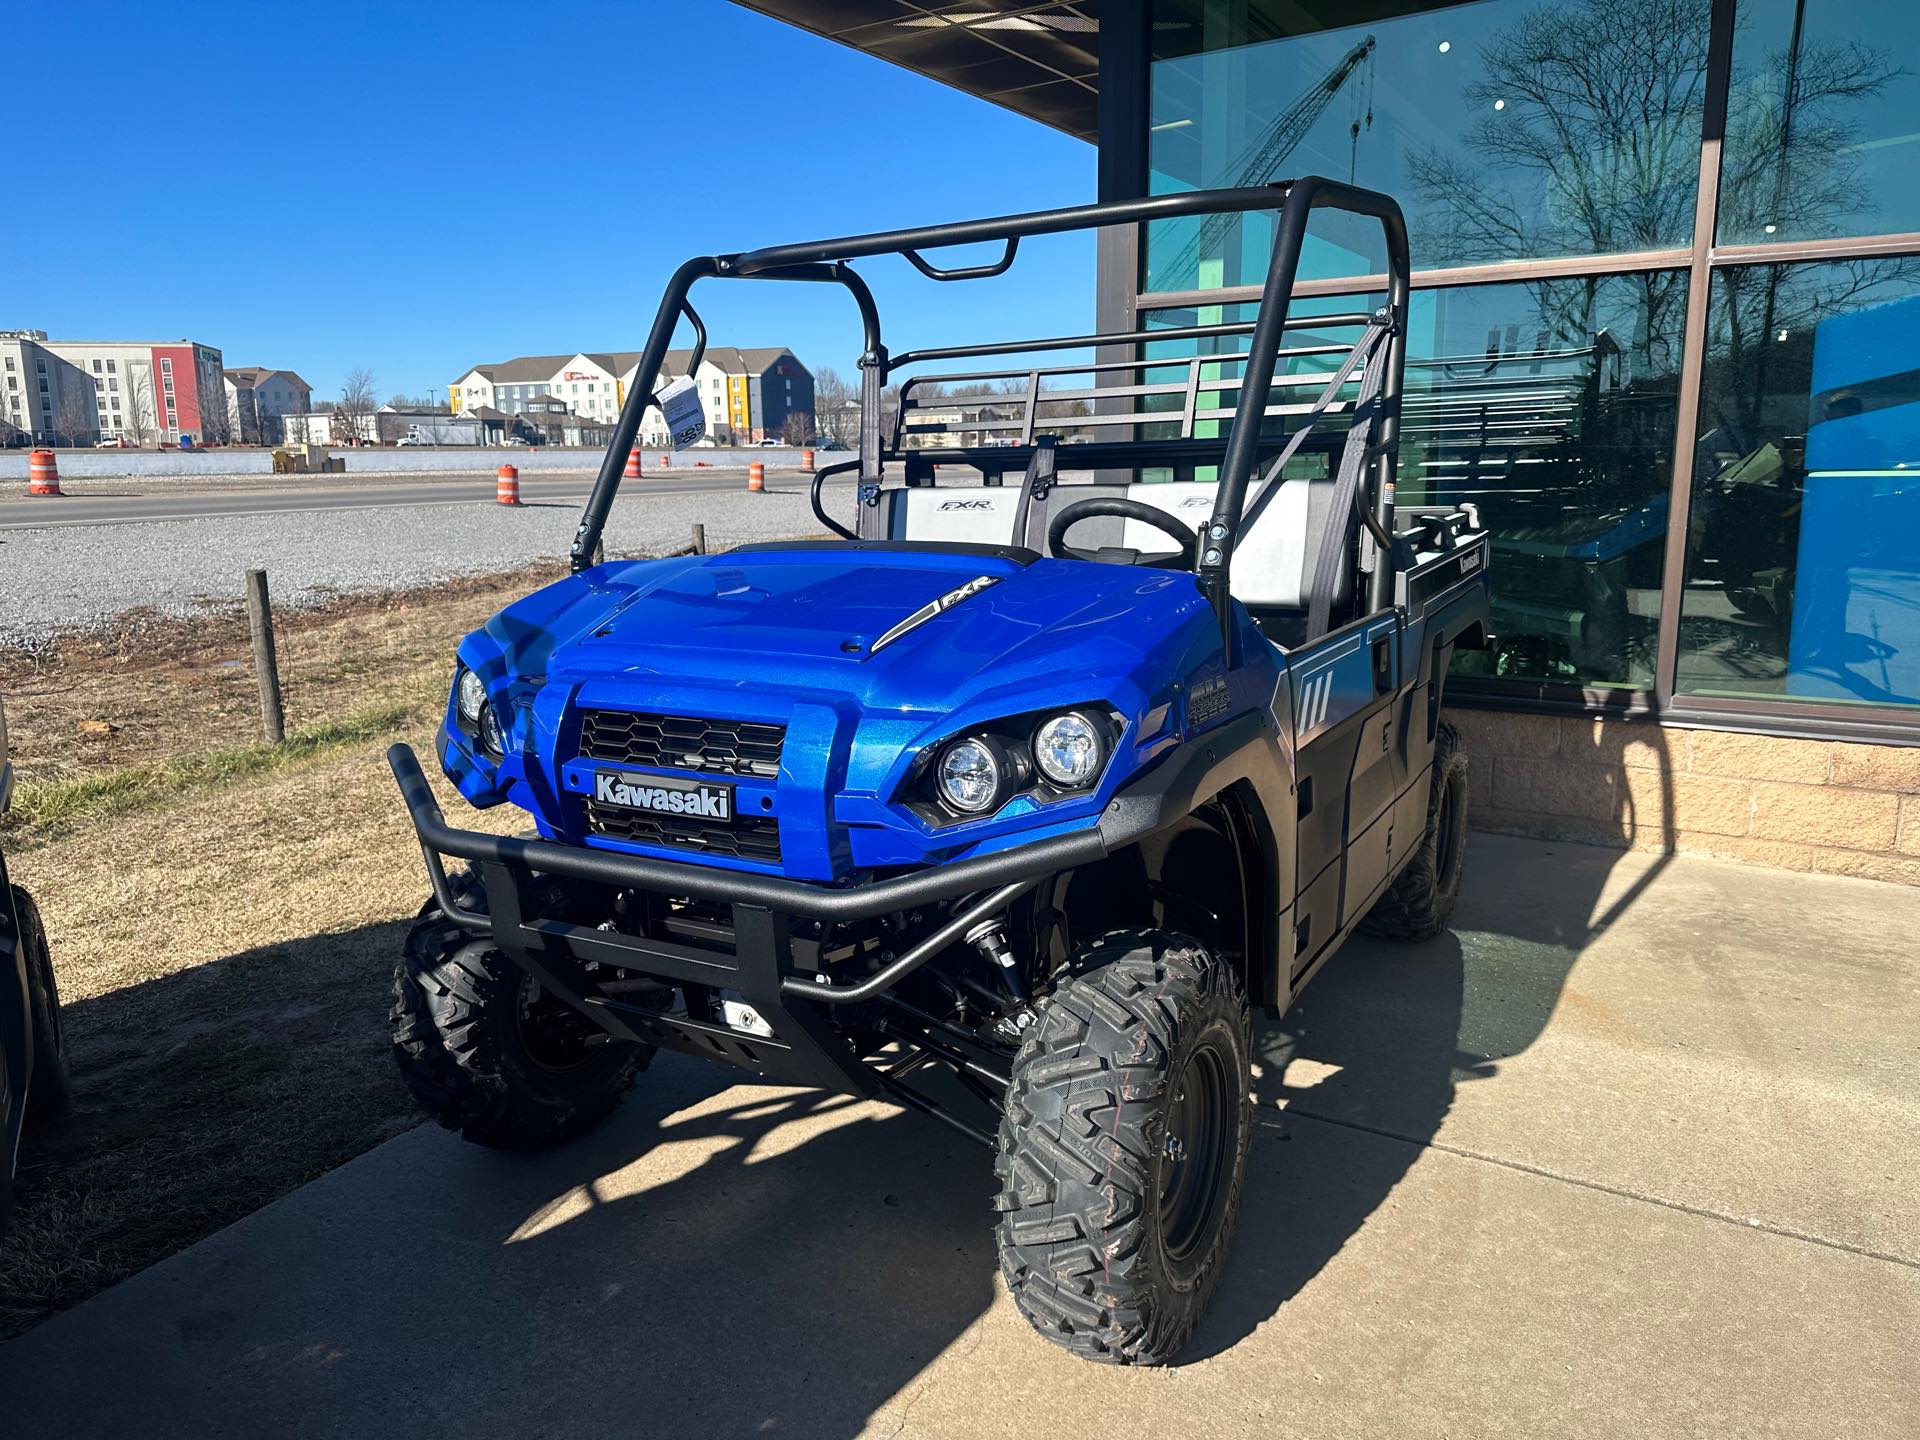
(1188,540)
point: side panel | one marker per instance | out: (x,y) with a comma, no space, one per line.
(1349,765)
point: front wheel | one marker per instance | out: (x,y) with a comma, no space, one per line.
(485,1051)
(1123,1148)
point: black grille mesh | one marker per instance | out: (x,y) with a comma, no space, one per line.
(748,837)
(683,742)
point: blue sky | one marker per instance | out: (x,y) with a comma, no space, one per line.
(418,188)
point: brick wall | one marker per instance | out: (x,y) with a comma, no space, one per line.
(1831,806)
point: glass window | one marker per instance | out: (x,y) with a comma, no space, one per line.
(1823,121)
(96,367)
(110,367)
(1507,129)
(1550,405)
(1803,574)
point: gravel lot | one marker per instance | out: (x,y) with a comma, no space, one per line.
(80,577)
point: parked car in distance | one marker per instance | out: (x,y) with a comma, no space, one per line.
(110,444)
(516,440)
(768,444)
(411,440)
(33,1050)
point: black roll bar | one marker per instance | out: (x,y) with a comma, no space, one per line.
(825,261)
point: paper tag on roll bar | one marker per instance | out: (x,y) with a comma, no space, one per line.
(680,407)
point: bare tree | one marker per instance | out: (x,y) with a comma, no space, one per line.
(797,428)
(836,406)
(220,417)
(74,418)
(136,424)
(1590,143)
(353,413)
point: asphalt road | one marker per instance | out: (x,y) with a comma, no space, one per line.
(119,502)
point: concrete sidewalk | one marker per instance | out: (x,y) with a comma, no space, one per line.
(1631,1152)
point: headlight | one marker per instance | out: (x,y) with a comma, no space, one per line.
(1067,749)
(972,775)
(491,735)
(471,695)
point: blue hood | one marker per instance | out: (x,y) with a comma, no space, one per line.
(786,636)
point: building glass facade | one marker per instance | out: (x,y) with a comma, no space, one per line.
(1666,324)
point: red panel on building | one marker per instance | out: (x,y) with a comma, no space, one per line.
(186,388)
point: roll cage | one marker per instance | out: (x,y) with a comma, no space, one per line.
(1129,405)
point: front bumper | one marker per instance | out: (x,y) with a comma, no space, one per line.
(755,956)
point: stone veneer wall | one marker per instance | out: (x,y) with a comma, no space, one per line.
(1824,805)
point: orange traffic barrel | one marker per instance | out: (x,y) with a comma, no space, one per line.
(756,476)
(633,465)
(806,461)
(43,475)
(506,487)
(666,461)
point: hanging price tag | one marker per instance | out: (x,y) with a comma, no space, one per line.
(680,407)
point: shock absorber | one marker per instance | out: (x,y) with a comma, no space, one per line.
(990,939)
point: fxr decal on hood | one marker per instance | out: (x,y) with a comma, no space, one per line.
(932,608)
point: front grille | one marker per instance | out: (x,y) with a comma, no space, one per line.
(682,742)
(748,837)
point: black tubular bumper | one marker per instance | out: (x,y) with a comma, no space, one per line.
(756,959)
(705,882)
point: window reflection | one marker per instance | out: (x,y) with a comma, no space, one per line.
(1551,406)
(1803,572)
(1823,121)
(1506,129)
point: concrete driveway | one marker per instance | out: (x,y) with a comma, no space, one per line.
(1631,1152)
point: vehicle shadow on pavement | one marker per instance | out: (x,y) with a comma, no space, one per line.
(776,1261)
(1357,1079)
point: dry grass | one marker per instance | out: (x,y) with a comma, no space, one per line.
(224,965)
(224,949)
(155,689)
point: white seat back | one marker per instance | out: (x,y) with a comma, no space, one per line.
(1273,559)
(973,514)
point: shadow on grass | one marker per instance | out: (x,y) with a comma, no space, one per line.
(198,1098)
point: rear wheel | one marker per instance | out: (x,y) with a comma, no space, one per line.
(1124,1147)
(487,1052)
(48,1087)
(1420,901)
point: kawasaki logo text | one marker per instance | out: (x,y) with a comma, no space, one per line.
(637,792)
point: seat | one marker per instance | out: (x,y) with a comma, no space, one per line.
(974,514)
(1274,557)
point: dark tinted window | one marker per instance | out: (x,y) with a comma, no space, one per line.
(1823,121)
(1507,129)
(1551,406)
(1803,572)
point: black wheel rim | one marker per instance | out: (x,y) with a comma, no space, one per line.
(1195,1152)
(552,1036)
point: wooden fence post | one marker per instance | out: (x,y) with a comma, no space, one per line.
(266,664)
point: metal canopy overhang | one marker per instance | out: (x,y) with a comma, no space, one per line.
(1038,60)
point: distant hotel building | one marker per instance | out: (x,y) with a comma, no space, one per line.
(77,392)
(748,394)
(259,400)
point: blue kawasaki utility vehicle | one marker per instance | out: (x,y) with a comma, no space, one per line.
(1007,803)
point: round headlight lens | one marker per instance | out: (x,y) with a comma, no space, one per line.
(471,696)
(970,776)
(1067,749)
(491,735)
